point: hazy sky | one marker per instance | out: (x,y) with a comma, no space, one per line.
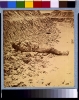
(49,11)
(46,11)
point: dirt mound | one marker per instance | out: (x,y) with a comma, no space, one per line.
(26,28)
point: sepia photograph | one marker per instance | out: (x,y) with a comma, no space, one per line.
(38,48)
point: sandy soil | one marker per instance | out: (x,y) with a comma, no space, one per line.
(42,69)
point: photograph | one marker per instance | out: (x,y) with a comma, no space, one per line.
(38,48)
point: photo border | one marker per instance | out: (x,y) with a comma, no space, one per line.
(75,49)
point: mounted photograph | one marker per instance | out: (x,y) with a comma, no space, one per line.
(38,48)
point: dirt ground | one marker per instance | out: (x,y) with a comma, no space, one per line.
(43,69)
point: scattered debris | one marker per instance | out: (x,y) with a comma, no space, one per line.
(67,84)
(63,82)
(48,84)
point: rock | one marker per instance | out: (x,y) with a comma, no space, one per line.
(28,55)
(13,58)
(33,54)
(50,55)
(48,84)
(30,74)
(20,84)
(7,56)
(18,71)
(43,66)
(26,60)
(30,80)
(15,54)
(72,41)
(45,54)
(38,58)
(14,72)
(44,72)
(48,33)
